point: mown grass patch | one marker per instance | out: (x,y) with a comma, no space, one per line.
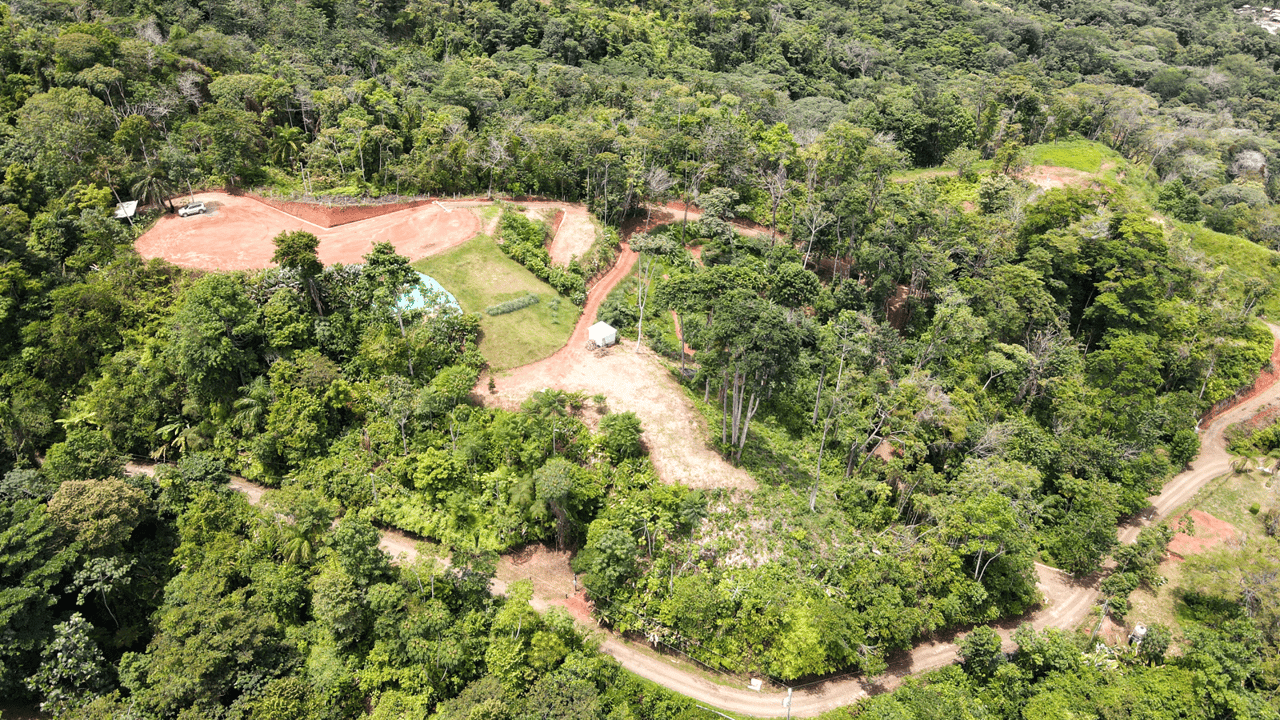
(487,212)
(1233,495)
(480,276)
(1081,155)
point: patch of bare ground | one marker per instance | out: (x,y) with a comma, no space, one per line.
(1210,532)
(1157,606)
(1051,176)
(554,583)
(237,234)
(674,432)
(575,236)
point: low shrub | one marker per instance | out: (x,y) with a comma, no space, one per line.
(512,305)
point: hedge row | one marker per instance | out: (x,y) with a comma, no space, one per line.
(512,305)
(525,242)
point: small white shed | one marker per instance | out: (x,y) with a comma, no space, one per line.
(602,334)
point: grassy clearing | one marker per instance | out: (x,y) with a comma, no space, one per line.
(1232,495)
(1081,155)
(1240,260)
(1226,498)
(480,276)
(1159,607)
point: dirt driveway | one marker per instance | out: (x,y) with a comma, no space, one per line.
(673,431)
(576,234)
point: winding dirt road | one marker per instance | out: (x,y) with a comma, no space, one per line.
(1068,601)
(675,436)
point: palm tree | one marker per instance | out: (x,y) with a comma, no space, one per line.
(252,406)
(299,544)
(285,144)
(175,438)
(154,189)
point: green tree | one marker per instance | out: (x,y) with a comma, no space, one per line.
(385,280)
(297,251)
(213,335)
(554,482)
(154,188)
(653,250)
(98,514)
(982,653)
(65,128)
(754,347)
(72,671)
(620,436)
(208,643)
(33,562)
(85,454)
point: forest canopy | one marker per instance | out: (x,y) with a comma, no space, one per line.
(935,371)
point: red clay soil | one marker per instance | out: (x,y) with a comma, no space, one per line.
(1068,601)
(554,583)
(674,212)
(1051,176)
(574,235)
(573,232)
(896,309)
(746,226)
(328,215)
(236,234)
(1214,460)
(1210,532)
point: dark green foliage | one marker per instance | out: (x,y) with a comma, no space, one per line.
(620,436)
(33,562)
(927,397)
(512,305)
(84,455)
(525,242)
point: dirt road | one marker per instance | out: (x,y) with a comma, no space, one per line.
(1213,460)
(674,433)
(1068,601)
(675,436)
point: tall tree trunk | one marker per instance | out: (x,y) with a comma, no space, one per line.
(408,351)
(680,327)
(724,410)
(822,376)
(826,426)
(752,405)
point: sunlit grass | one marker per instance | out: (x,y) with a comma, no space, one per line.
(480,276)
(1081,155)
(1238,260)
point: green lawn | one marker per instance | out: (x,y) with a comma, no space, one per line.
(1240,260)
(480,276)
(1081,155)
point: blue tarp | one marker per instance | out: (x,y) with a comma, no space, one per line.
(415,301)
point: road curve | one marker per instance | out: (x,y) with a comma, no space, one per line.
(1067,601)
(1212,461)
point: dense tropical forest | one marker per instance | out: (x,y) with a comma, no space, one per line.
(936,372)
